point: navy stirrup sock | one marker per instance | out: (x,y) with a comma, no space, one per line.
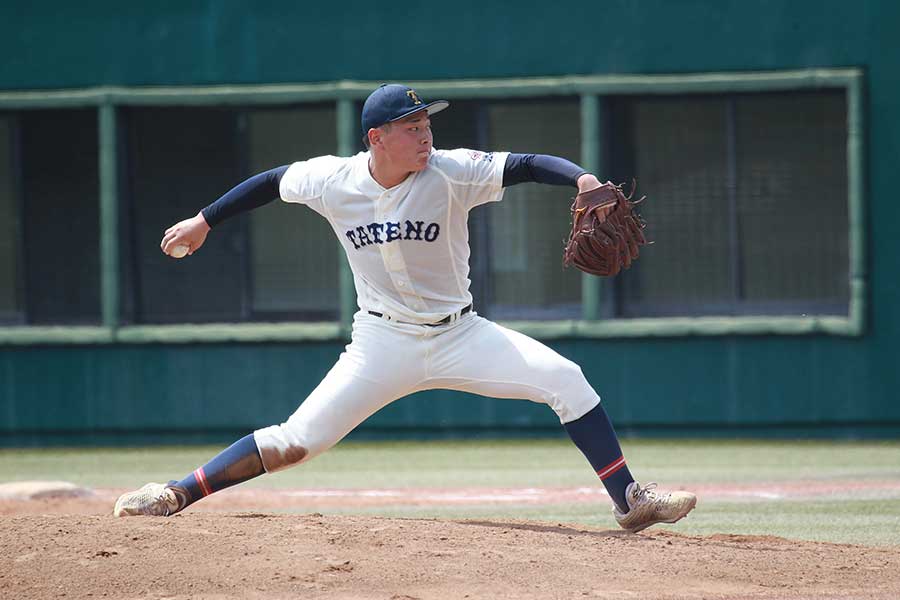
(594,435)
(236,464)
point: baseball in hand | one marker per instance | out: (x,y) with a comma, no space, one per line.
(179,251)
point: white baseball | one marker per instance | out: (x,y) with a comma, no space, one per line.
(179,251)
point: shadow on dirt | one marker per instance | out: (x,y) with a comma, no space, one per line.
(559,529)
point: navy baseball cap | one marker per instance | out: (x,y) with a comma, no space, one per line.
(391,102)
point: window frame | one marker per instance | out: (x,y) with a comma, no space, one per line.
(591,89)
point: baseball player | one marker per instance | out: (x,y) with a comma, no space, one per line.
(400,211)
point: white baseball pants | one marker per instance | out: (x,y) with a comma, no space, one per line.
(387,360)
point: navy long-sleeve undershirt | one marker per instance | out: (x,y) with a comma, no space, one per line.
(252,193)
(540,168)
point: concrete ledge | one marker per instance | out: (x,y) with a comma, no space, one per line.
(566,85)
(331,332)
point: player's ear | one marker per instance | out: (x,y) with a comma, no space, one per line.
(374,136)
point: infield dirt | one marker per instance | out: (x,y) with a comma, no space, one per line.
(62,548)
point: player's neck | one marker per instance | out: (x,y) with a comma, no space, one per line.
(386,174)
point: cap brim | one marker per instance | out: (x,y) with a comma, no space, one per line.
(431,107)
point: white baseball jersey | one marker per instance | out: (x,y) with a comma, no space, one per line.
(408,246)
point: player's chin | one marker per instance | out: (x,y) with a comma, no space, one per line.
(421,161)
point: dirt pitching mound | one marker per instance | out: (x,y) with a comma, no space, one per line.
(255,555)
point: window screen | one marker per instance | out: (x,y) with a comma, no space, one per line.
(528,226)
(792,157)
(10,253)
(293,252)
(748,203)
(61,215)
(278,262)
(180,160)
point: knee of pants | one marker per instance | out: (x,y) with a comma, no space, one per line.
(279,448)
(573,396)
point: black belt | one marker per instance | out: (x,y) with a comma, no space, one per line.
(443,321)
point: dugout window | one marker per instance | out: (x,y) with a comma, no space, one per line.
(49,218)
(275,263)
(293,254)
(11,310)
(177,161)
(529,224)
(748,203)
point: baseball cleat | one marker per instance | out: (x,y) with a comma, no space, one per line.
(154,499)
(647,507)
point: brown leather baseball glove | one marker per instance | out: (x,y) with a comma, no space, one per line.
(606,232)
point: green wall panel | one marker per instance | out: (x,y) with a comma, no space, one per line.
(730,385)
(106,42)
(159,387)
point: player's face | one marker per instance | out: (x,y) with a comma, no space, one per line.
(408,142)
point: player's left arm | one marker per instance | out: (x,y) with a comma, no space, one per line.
(543,168)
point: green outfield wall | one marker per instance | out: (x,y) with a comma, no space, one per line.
(732,387)
(97,383)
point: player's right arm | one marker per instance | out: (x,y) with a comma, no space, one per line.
(252,193)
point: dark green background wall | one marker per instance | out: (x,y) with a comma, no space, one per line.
(62,44)
(743,385)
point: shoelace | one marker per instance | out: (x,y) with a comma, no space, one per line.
(651,496)
(161,497)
